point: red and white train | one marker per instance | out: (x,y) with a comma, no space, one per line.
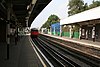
(34,33)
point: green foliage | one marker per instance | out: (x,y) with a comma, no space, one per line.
(51,20)
(76,6)
(76,28)
(94,4)
(65,28)
(85,7)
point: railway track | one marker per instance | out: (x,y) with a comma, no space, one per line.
(89,60)
(59,56)
(55,57)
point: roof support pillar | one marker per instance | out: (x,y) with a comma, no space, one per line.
(80,33)
(93,33)
(61,30)
(8,27)
(16,33)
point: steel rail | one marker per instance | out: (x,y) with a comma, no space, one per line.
(86,60)
(63,57)
(52,58)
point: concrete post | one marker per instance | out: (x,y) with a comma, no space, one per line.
(87,34)
(61,30)
(50,30)
(80,33)
(16,33)
(72,32)
(93,33)
(54,31)
(8,28)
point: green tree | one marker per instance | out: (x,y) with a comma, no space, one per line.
(85,7)
(94,4)
(76,6)
(51,20)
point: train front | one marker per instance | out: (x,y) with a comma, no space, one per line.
(34,33)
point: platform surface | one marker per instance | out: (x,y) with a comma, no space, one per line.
(20,55)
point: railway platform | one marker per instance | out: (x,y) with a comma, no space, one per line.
(20,55)
(75,40)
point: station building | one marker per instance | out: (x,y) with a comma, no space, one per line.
(84,25)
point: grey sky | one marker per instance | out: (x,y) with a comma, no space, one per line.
(56,7)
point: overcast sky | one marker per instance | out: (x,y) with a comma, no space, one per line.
(55,7)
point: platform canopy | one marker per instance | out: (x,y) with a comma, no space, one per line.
(83,16)
(22,10)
